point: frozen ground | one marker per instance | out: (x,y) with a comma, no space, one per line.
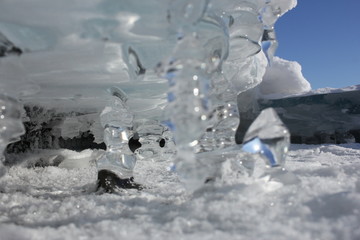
(59,203)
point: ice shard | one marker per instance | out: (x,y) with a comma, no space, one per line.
(269,137)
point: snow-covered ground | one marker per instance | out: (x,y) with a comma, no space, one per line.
(59,202)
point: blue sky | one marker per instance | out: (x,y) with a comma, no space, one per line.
(324,37)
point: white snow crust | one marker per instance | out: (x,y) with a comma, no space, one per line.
(335,90)
(283,78)
(59,202)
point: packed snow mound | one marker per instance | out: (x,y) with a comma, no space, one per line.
(283,78)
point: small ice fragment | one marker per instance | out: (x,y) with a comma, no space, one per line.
(269,137)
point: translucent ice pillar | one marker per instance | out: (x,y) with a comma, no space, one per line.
(188,71)
(11,127)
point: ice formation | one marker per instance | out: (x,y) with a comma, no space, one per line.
(237,63)
(149,68)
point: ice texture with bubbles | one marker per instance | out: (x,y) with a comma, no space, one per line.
(118,43)
(117,121)
(203,120)
(146,68)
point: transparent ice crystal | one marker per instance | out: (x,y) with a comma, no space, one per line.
(269,137)
(156,141)
(117,121)
(198,54)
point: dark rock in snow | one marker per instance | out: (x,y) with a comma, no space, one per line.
(109,182)
(7,47)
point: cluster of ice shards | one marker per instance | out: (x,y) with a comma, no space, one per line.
(201,52)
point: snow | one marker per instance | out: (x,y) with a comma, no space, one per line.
(59,203)
(335,90)
(283,78)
